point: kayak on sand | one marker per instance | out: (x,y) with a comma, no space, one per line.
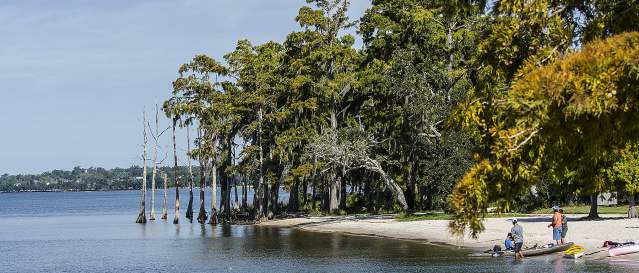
(542,250)
(623,249)
(535,251)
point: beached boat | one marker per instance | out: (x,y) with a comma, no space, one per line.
(574,252)
(542,250)
(623,249)
(536,251)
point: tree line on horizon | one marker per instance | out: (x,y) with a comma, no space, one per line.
(83,179)
(459,106)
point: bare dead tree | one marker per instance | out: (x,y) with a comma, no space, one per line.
(165,212)
(142,216)
(155,134)
(348,149)
(176,219)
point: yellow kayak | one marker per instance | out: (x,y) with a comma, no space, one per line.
(574,252)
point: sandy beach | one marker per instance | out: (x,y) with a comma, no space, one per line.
(590,234)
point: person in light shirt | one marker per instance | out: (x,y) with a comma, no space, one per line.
(518,236)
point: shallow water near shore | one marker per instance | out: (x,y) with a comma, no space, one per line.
(95,232)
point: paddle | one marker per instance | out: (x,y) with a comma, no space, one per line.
(595,252)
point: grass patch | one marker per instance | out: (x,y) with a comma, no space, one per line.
(422,216)
(507,215)
(438,215)
(586,210)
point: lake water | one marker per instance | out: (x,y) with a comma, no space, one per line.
(95,232)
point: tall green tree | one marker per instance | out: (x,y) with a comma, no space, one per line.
(417,72)
(200,94)
(321,68)
(258,78)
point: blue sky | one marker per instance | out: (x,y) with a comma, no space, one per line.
(77,74)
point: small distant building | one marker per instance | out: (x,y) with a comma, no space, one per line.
(607,199)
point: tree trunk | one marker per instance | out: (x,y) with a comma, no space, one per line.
(293,199)
(213,217)
(165,211)
(189,208)
(176,219)
(342,195)
(142,216)
(313,196)
(226,183)
(156,135)
(245,196)
(335,184)
(201,218)
(632,206)
(410,187)
(258,205)
(593,206)
(275,190)
(373,165)
(304,193)
(237,200)
(333,203)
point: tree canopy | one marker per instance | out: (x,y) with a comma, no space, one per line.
(570,114)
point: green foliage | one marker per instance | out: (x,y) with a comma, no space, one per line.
(416,73)
(584,210)
(625,170)
(568,115)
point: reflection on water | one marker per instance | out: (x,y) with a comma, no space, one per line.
(75,241)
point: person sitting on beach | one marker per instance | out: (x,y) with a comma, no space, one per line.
(518,236)
(564,226)
(508,243)
(556,225)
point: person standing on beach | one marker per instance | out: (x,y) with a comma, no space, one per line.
(556,225)
(518,236)
(564,226)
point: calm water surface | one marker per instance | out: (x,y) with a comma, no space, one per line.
(94,232)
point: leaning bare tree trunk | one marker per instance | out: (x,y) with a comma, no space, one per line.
(165,212)
(632,206)
(593,206)
(142,216)
(189,208)
(176,219)
(213,218)
(374,166)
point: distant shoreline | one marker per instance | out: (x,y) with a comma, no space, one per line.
(26,191)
